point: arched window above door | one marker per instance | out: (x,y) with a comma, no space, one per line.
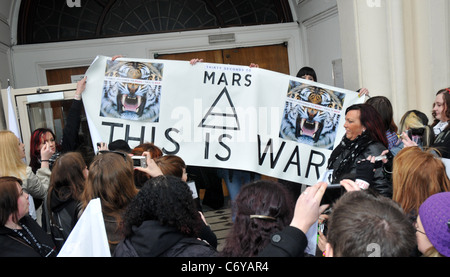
(53,20)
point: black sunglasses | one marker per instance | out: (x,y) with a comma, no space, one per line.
(124,156)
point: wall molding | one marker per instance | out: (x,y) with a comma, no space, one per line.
(320,17)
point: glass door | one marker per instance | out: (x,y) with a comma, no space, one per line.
(47,108)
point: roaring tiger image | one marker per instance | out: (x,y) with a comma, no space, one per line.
(132,91)
(311,115)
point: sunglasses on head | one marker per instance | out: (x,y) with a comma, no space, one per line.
(124,156)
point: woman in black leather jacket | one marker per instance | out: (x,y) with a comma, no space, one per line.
(364,137)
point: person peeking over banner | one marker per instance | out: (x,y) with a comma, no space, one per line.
(308,73)
(364,137)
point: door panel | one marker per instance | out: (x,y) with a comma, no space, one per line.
(272,57)
(62,76)
(213,56)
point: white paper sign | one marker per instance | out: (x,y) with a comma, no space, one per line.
(88,237)
(217,115)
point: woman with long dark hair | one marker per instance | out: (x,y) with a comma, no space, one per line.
(384,108)
(63,203)
(111,179)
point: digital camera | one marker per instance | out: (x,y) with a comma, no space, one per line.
(139,161)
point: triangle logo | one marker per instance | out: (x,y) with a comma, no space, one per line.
(222,114)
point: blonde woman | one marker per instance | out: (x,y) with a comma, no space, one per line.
(12,154)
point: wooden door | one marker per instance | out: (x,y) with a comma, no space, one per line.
(212,56)
(272,57)
(63,75)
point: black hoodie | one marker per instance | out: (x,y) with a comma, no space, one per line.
(62,218)
(152,239)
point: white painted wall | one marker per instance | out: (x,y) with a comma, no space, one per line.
(321,32)
(324,46)
(6,8)
(397,48)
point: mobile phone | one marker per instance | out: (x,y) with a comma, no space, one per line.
(380,158)
(139,161)
(333,186)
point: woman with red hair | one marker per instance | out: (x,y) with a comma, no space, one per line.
(43,136)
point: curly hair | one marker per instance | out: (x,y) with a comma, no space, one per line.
(249,236)
(167,200)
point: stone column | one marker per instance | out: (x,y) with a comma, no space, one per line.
(396,48)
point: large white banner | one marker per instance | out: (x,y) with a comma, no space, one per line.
(218,115)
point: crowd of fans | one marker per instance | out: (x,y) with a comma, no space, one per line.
(394,206)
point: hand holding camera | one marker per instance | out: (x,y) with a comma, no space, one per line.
(139,161)
(151,167)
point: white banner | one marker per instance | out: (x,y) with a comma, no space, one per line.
(217,115)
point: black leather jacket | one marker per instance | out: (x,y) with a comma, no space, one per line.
(381,182)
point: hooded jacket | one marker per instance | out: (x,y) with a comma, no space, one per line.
(152,239)
(61,218)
